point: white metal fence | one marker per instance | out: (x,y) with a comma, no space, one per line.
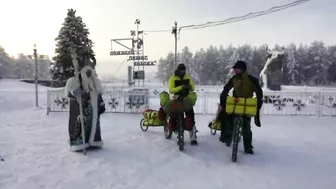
(125,100)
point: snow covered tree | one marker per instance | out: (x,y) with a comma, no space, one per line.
(160,74)
(246,54)
(223,60)
(186,57)
(169,66)
(319,63)
(73,33)
(25,67)
(44,67)
(259,58)
(313,64)
(209,70)
(303,61)
(332,61)
(232,60)
(199,58)
(292,65)
(7,66)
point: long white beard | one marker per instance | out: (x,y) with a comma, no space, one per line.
(91,83)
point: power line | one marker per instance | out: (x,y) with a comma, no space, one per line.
(121,64)
(156,31)
(245,17)
(237,18)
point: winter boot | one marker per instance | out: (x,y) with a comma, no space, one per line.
(188,123)
(248,148)
(193,137)
(225,139)
(249,151)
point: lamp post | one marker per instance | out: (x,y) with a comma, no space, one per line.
(174,31)
(36,76)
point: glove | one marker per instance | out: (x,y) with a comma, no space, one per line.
(260,103)
(101,106)
(186,87)
(257,120)
(101,109)
(77,92)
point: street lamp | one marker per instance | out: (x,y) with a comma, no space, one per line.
(36,76)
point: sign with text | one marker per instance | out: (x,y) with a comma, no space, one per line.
(145,63)
(113,53)
(132,58)
(122,46)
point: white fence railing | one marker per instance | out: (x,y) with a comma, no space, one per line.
(275,103)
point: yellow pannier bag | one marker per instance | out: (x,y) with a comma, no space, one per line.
(153,122)
(192,97)
(151,114)
(216,125)
(241,106)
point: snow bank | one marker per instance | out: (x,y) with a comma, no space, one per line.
(15,95)
(290,152)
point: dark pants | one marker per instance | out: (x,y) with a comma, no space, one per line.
(189,114)
(227,122)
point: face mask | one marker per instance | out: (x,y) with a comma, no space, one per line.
(89,73)
(182,72)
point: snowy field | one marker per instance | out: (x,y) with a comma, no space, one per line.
(290,152)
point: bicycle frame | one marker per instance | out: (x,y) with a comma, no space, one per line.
(238,124)
(179,118)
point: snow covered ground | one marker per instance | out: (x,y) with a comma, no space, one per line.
(290,153)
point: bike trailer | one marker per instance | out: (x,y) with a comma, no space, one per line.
(154,118)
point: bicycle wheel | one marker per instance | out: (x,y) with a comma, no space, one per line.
(237,125)
(212,130)
(180,133)
(167,132)
(142,126)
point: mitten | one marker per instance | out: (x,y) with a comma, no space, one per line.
(77,92)
(257,120)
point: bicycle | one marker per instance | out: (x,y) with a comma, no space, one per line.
(180,123)
(238,123)
(239,109)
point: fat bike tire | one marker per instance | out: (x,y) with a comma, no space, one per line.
(166,131)
(180,133)
(237,125)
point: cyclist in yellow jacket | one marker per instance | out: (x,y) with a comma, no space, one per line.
(182,84)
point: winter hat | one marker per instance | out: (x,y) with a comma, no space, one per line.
(181,67)
(240,65)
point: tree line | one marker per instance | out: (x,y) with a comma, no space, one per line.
(23,67)
(73,34)
(313,64)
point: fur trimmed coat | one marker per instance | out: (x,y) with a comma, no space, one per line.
(93,106)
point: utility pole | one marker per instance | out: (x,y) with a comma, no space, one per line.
(137,22)
(143,54)
(174,31)
(36,76)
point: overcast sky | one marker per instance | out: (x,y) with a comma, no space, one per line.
(26,22)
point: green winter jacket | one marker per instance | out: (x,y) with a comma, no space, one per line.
(243,86)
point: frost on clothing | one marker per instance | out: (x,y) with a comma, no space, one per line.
(93,106)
